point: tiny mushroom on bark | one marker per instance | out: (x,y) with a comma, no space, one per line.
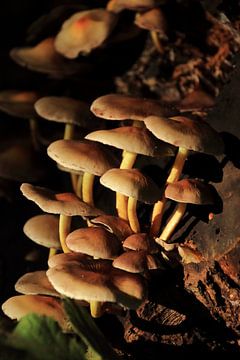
(133,184)
(186,191)
(84,31)
(65,204)
(188,135)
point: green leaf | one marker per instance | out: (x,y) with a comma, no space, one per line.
(85,327)
(42,338)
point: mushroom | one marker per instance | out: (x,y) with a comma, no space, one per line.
(84,31)
(133,184)
(140,241)
(87,156)
(188,135)
(65,204)
(35,283)
(97,281)
(196,101)
(186,191)
(136,262)
(94,241)
(113,224)
(19,306)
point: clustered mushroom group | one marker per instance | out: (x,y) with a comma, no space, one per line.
(109,258)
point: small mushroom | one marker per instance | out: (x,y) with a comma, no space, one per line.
(133,184)
(136,262)
(35,283)
(84,31)
(114,224)
(140,241)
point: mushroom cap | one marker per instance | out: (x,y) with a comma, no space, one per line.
(135,261)
(18,103)
(43,230)
(190,191)
(43,58)
(19,162)
(131,183)
(113,224)
(94,241)
(117,6)
(152,20)
(63,258)
(64,203)
(196,101)
(64,110)
(68,170)
(35,283)
(97,280)
(84,156)
(123,107)
(134,139)
(189,255)
(84,31)
(19,306)
(184,132)
(140,241)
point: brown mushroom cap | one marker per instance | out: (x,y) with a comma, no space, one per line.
(19,306)
(68,170)
(96,280)
(18,103)
(184,132)
(44,58)
(19,162)
(152,20)
(140,241)
(84,31)
(197,100)
(134,139)
(114,224)
(94,241)
(64,110)
(190,191)
(84,156)
(35,283)
(123,107)
(136,262)
(63,258)
(131,183)
(43,230)
(66,203)
(136,5)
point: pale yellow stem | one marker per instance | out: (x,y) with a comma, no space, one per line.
(68,132)
(74,180)
(128,160)
(96,309)
(156,41)
(79,186)
(64,230)
(52,252)
(87,188)
(132,215)
(172,223)
(174,175)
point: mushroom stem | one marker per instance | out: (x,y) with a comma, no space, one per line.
(128,160)
(156,41)
(68,132)
(79,186)
(74,180)
(173,176)
(64,230)
(172,223)
(87,188)
(132,215)
(33,130)
(96,309)
(52,252)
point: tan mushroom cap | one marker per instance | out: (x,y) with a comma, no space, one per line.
(64,110)
(184,132)
(114,224)
(197,100)
(152,20)
(19,162)
(131,183)
(19,306)
(84,31)
(136,5)
(190,191)
(84,156)
(63,258)
(134,139)
(18,103)
(43,58)
(131,261)
(140,241)
(35,283)
(43,230)
(68,170)
(94,241)
(97,280)
(123,107)
(64,203)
